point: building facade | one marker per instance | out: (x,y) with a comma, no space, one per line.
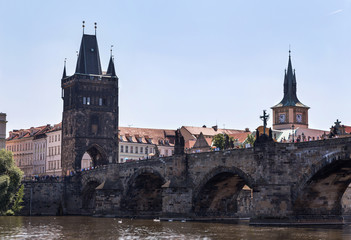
(90,110)
(20,142)
(53,158)
(2,130)
(39,151)
(143,143)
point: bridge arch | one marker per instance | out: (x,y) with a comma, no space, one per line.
(322,187)
(88,194)
(218,191)
(143,194)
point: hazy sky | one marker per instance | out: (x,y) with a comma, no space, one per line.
(180,62)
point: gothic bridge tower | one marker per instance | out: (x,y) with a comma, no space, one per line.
(290,111)
(90,109)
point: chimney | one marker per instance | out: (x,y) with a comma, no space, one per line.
(204,126)
(247,130)
(215,128)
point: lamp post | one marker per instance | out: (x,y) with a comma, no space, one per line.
(292,127)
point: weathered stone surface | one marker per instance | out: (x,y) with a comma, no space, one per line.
(301,182)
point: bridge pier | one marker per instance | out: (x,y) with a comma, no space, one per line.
(176,201)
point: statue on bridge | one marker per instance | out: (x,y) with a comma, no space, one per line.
(337,129)
(263,137)
(179,143)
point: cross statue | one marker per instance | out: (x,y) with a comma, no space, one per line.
(264,119)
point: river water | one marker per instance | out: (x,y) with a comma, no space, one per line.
(113,228)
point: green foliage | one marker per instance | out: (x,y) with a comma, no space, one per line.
(223,141)
(16,207)
(250,140)
(10,180)
(9,213)
(219,141)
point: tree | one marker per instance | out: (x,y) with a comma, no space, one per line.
(222,141)
(10,181)
(250,140)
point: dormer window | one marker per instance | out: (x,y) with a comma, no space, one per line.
(139,139)
(121,138)
(130,139)
(149,140)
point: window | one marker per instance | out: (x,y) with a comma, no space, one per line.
(59,137)
(88,100)
(136,149)
(84,100)
(121,148)
(55,138)
(100,101)
(131,149)
(126,149)
(121,138)
(141,149)
(146,150)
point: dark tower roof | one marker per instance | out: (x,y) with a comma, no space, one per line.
(89,59)
(290,97)
(111,68)
(64,71)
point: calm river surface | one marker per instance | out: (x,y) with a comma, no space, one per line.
(110,228)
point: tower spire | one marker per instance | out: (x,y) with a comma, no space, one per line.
(83,26)
(290,95)
(95,26)
(111,66)
(64,70)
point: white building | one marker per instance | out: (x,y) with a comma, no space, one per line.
(39,151)
(2,130)
(143,143)
(53,151)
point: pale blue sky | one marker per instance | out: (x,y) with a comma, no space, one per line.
(180,62)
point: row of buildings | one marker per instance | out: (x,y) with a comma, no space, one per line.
(37,150)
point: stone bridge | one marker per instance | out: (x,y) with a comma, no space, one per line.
(287,183)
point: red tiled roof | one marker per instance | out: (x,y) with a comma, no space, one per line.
(240,136)
(154,135)
(347,129)
(210,131)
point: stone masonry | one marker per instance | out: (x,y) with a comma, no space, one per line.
(290,183)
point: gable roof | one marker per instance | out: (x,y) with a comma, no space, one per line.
(202,142)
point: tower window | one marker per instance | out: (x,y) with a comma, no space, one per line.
(94,124)
(88,100)
(100,101)
(84,100)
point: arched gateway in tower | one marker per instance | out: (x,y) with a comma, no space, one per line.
(90,110)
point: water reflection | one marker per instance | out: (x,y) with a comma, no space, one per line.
(109,228)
